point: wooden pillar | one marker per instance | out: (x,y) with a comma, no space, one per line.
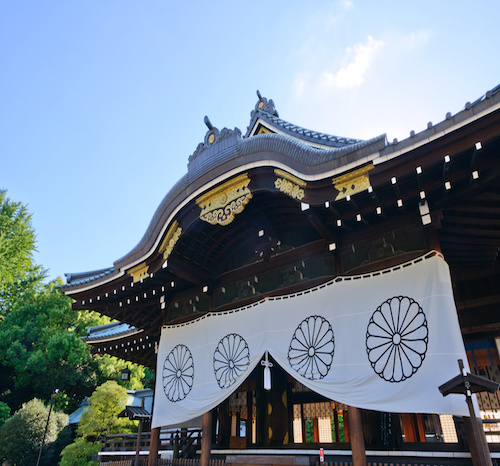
(421,430)
(138,446)
(315,430)
(356,436)
(409,427)
(477,440)
(336,424)
(154,446)
(206,439)
(484,442)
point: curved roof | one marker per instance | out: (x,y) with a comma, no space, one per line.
(309,155)
(225,152)
(312,206)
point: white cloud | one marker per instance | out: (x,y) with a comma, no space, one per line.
(416,39)
(348,4)
(301,83)
(330,15)
(353,74)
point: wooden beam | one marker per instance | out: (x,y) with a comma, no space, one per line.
(447,238)
(186,271)
(481,221)
(479,302)
(320,227)
(480,232)
(473,209)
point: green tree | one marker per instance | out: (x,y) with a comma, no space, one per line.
(21,435)
(40,350)
(79,453)
(107,401)
(18,271)
(110,368)
(4,412)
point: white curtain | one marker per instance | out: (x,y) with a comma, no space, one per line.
(383,341)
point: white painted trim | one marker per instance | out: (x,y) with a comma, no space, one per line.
(390,453)
(435,136)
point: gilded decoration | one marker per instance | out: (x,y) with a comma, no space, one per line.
(221,204)
(264,130)
(289,184)
(139,272)
(353,182)
(171,238)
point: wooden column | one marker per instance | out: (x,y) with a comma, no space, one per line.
(479,450)
(356,436)
(138,446)
(206,439)
(154,446)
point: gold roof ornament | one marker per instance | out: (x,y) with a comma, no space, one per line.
(289,184)
(171,238)
(139,272)
(353,182)
(221,204)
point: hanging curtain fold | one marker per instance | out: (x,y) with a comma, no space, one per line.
(383,341)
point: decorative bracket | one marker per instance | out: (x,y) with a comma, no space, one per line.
(289,184)
(139,272)
(171,238)
(353,182)
(221,204)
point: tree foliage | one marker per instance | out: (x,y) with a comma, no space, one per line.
(79,453)
(110,368)
(40,334)
(22,434)
(40,348)
(4,413)
(107,401)
(18,271)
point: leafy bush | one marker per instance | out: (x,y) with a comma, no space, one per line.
(107,401)
(79,453)
(22,434)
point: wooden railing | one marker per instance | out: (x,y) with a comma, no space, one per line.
(183,442)
(399,463)
(160,462)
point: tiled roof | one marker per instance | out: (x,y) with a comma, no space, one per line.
(135,413)
(73,279)
(303,133)
(109,330)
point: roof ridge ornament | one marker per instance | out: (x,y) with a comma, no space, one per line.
(213,136)
(264,105)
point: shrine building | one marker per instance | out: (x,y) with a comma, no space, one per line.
(297,290)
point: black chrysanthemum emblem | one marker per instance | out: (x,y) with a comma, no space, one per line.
(312,347)
(396,338)
(178,373)
(231,358)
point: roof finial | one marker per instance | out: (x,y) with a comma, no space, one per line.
(259,94)
(208,123)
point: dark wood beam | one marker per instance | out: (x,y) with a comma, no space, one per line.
(450,218)
(186,271)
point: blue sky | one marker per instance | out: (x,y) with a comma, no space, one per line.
(102,102)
